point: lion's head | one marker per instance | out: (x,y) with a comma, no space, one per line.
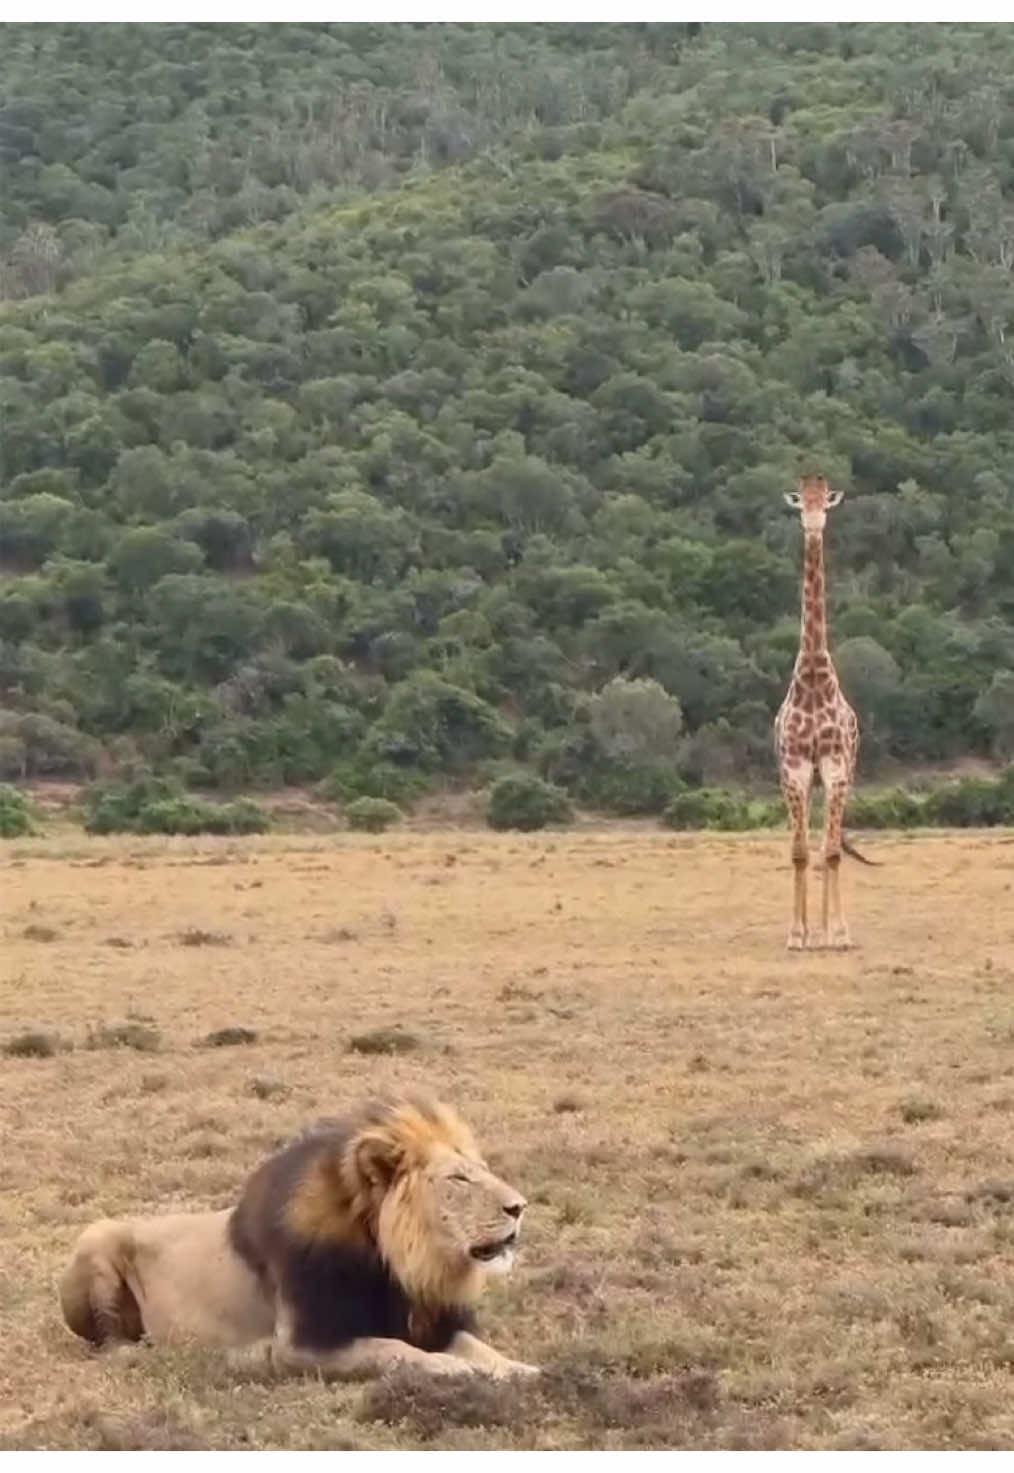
(443,1221)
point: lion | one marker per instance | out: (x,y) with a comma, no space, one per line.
(363,1244)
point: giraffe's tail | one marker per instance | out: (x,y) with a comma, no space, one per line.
(853,853)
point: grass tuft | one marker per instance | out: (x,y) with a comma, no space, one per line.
(427,1404)
(268,1089)
(34,1044)
(194,936)
(35,932)
(392,1040)
(229,1036)
(143,1037)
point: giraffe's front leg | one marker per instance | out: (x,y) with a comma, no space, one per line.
(797,796)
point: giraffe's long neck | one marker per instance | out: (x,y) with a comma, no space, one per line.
(813,634)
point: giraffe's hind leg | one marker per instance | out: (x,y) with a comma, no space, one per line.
(835,779)
(797,786)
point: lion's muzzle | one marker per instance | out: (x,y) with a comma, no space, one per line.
(501,1245)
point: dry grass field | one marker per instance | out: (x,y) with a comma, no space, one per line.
(772,1196)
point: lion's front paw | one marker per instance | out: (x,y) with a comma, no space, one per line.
(509,1370)
(250,1359)
(126,1352)
(448,1365)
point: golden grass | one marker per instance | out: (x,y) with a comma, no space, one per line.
(772,1196)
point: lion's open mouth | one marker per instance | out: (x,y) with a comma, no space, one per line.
(486,1252)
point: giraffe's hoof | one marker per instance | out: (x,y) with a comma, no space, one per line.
(796,941)
(840,941)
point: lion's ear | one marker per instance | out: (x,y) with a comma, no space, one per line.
(375,1158)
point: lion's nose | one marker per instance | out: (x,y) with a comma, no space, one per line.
(515,1209)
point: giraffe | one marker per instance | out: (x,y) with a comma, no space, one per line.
(816,734)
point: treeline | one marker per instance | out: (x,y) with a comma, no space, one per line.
(479,464)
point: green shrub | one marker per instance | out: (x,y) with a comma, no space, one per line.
(766,813)
(708,808)
(521,801)
(15,814)
(114,808)
(894,809)
(243,816)
(372,815)
(170,816)
(972,802)
(190,816)
(350,780)
(631,791)
(150,805)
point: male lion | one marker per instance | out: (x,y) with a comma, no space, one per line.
(360,1245)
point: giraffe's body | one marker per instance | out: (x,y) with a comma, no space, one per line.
(816,733)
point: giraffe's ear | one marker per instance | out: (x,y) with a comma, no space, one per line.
(834,498)
(793,499)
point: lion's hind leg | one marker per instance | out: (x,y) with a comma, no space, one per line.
(98,1303)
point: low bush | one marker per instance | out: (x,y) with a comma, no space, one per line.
(372,815)
(708,808)
(114,808)
(15,814)
(350,780)
(240,817)
(968,802)
(150,805)
(521,801)
(631,791)
(894,809)
(972,802)
(766,813)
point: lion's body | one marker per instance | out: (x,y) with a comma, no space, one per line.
(373,1236)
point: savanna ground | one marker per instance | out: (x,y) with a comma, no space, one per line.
(772,1197)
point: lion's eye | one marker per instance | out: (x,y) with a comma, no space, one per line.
(458,1176)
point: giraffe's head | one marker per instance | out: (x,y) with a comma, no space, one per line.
(813,500)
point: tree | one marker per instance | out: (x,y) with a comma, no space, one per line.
(636,721)
(360,537)
(525,492)
(995,709)
(146,554)
(434,725)
(32,529)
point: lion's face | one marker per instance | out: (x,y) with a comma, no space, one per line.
(439,1217)
(465,1221)
(478,1214)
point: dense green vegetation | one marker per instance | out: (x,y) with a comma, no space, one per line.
(372,815)
(15,814)
(523,801)
(401,406)
(144,804)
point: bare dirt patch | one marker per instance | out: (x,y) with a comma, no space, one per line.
(771,1199)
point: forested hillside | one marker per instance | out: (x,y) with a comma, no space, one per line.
(392,404)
